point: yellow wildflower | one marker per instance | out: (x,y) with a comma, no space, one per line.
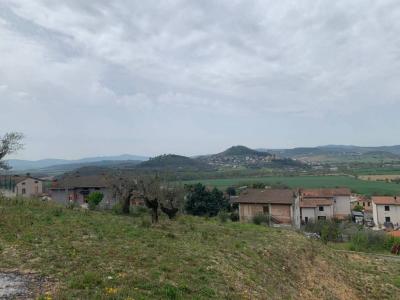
(111,291)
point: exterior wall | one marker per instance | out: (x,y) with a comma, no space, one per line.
(296,213)
(327,212)
(282,212)
(248,211)
(29,187)
(313,213)
(308,212)
(65,196)
(379,214)
(342,206)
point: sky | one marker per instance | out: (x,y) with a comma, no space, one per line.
(88,78)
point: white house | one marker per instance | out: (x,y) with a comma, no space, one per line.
(322,204)
(386,209)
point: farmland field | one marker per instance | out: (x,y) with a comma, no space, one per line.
(356,185)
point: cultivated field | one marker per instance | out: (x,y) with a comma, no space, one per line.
(100,255)
(356,185)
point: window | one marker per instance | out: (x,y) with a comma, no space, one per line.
(321,208)
(321,217)
(306,220)
(364,204)
(23,183)
(387,219)
(265,209)
(36,181)
(387,208)
(23,191)
(369,203)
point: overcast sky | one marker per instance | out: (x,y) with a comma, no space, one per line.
(84,78)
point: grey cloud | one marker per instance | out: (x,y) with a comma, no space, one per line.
(260,61)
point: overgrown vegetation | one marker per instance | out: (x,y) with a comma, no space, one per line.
(202,202)
(94,199)
(100,255)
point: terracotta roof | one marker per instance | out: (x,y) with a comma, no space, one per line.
(314,202)
(386,200)
(324,193)
(276,196)
(93,181)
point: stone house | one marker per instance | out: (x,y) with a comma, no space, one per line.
(322,204)
(280,204)
(21,186)
(386,209)
(76,189)
(363,201)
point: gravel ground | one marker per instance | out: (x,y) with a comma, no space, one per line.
(19,286)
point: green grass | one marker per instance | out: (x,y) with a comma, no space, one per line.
(99,255)
(356,185)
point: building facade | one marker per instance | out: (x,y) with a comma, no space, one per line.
(76,189)
(280,204)
(386,209)
(322,204)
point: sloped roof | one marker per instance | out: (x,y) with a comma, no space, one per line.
(386,200)
(275,196)
(92,181)
(314,202)
(325,193)
(15,179)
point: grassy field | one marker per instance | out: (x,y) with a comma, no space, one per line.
(100,255)
(356,185)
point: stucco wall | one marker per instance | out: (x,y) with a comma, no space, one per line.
(307,212)
(380,214)
(342,206)
(32,188)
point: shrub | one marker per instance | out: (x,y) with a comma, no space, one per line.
(260,219)
(368,240)
(94,199)
(329,230)
(202,202)
(234,216)
(138,211)
(223,216)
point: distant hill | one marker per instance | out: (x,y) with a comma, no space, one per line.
(173,162)
(339,153)
(29,165)
(242,151)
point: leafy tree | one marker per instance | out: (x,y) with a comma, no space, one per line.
(94,199)
(202,202)
(358,207)
(231,191)
(9,143)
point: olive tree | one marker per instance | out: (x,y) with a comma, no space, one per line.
(9,143)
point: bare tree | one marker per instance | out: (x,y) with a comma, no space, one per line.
(172,200)
(9,143)
(150,187)
(124,188)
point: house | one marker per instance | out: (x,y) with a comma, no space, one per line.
(322,204)
(386,209)
(362,201)
(280,204)
(76,189)
(22,186)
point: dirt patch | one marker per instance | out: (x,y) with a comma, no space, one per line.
(14,285)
